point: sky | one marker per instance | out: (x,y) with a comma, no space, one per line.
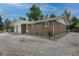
(15,10)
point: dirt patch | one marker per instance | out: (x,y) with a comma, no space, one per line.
(22,40)
(75,53)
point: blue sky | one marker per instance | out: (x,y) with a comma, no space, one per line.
(15,10)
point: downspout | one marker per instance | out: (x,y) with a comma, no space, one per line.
(67,24)
(53,29)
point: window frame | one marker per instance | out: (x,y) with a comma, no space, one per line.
(46,24)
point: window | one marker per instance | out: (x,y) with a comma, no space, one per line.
(29,26)
(46,24)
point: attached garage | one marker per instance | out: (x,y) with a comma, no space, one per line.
(17,29)
(21,27)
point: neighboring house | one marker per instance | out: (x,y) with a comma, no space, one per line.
(56,25)
(12,25)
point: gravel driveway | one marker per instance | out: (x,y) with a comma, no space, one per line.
(26,45)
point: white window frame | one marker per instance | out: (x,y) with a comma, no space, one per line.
(46,24)
(30,26)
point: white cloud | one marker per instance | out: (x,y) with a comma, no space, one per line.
(73,10)
(2,12)
(46,7)
(15,4)
(43,7)
(20,5)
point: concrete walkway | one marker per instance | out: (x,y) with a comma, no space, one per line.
(27,45)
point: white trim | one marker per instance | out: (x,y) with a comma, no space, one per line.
(33,22)
(46,23)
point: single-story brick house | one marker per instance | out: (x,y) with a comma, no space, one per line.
(56,25)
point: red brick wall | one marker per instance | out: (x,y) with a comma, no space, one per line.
(40,29)
(59,28)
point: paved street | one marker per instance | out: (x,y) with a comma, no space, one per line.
(27,45)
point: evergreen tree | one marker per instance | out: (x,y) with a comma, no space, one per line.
(7,23)
(52,15)
(1,24)
(34,14)
(22,18)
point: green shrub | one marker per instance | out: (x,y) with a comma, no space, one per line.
(50,34)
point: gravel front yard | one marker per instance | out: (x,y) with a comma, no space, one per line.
(26,45)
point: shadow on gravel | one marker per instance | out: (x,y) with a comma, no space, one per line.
(33,41)
(75,44)
(55,39)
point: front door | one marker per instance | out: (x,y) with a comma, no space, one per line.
(23,28)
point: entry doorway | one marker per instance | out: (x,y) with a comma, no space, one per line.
(23,28)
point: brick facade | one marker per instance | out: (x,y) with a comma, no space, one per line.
(56,26)
(40,29)
(59,28)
